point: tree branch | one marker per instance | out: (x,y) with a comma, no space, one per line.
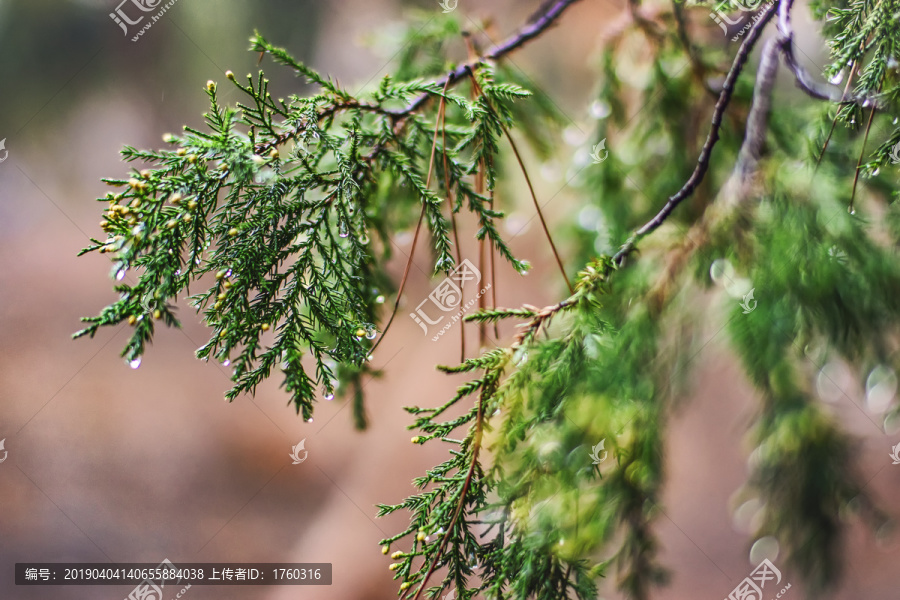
(537,24)
(740,61)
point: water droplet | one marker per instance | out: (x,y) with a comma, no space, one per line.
(887,538)
(851,210)
(309,420)
(589,218)
(134,364)
(526,266)
(892,423)
(721,271)
(329,396)
(876,172)
(747,516)
(881,385)
(371,333)
(120,274)
(342,230)
(363,239)
(574,136)
(600,109)
(226,362)
(379,300)
(837,78)
(764,547)
(827,382)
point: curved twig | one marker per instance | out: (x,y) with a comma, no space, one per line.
(740,61)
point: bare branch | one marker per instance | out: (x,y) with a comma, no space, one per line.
(740,61)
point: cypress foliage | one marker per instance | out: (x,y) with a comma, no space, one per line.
(281,210)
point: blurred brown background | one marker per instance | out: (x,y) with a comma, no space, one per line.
(111,464)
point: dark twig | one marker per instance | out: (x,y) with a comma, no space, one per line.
(538,23)
(740,60)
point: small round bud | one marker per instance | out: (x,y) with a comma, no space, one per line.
(136,203)
(397,554)
(394,566)
(175,199)
(221,274)
(420,536)
(211,85)
(192,158)
(223,333)
(404,585)
(168,138)
(264,326)
(232,232)
(171,224)
(134,183)
(181,152)
(221,296)
(229,75)
(217,305)
(145,173)
(157,314)
(385,549)
(227,285)
(192,204)
(274,153)
(132,319)
(187,218)
(416,440)
(360,332)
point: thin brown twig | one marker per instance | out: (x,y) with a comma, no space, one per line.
(412,250)
(476,447)
(536,25)
(537,204)
(703,160)
(835,120)
(447,181)
(862,152)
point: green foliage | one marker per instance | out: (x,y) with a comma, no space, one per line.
(283,210)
